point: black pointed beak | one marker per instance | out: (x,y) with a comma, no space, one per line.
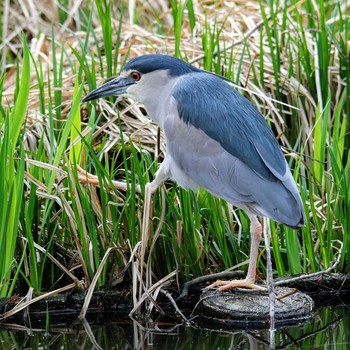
(115,87)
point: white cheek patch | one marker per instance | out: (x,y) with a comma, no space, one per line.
(125,74)
(131,93)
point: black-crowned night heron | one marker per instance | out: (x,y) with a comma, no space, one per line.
(215,139)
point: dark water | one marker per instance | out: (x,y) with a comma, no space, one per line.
(328,329)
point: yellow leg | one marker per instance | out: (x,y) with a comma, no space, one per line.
(249,281)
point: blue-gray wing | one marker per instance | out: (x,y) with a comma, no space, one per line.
(208,103)
(223,144)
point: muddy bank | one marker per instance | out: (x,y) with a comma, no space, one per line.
(322,289)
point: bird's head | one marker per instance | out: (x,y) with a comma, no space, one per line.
(143,76)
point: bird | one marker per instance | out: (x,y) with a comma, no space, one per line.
(215,139)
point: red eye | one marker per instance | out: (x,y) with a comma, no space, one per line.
(135,75)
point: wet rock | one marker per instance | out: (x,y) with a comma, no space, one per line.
(240,306)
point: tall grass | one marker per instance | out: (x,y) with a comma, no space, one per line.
(291,56)
(323,132)
(12,174)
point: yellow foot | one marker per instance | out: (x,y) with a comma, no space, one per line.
(85,177)
(226,285)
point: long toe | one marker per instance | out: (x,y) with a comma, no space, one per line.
(85,177)
(226,285)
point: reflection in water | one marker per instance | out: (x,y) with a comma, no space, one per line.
(328,329)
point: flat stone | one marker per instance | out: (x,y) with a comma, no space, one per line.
(242,306)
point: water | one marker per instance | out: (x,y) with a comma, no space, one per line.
(328,329)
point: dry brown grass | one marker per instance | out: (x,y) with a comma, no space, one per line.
(240,21)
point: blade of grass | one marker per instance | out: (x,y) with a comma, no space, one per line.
(104,13)
(65,133)
(19,112)
(75,132)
